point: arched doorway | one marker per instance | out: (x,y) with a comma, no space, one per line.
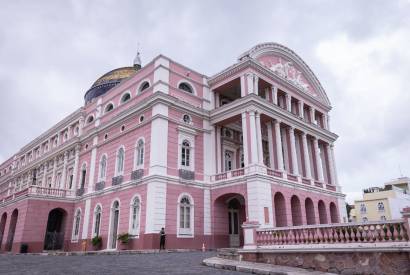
(2,227)
(334,216)
(322,212)
(280,210)
(115,216)
(296,210)
(229,214)
(310,211)
(56,223)
(12,229)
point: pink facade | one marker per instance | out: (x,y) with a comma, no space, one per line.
(164,146)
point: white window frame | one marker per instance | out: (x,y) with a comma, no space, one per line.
(228,147)
(74,237)
(142,83)
(122,96)
(192,86)
(137,154)
(363,208)
(186,232)
(119,173)
(135,232)
(380,209)
(110,221)
(106,105)
(93,233)
(188,135)
(102,177)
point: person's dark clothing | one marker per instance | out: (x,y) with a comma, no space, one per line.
(162,239)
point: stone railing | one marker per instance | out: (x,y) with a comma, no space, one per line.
(228,174)
(370,232)
(52,192)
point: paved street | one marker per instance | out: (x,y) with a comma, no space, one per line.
(164,263)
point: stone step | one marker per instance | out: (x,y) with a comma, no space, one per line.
(258,268)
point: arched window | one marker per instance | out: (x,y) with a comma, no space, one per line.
(185,216)
(382,218)
(144,86)
(90,119)
(120,161)
(76,229)
(83,175)
(135,216)
(103,167)
(97,221)
(185,87)
(363,208)
(139,153)
(228,160)
(380,206)
(365,219)
(125,97)
(108,108)
(185,153)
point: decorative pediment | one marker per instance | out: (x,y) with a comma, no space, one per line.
(288,65)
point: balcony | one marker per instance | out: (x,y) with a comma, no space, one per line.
(228,175)
(51,192)
(117,180)
(137,174)
(100,185)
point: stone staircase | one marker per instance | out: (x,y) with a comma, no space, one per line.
(228,253)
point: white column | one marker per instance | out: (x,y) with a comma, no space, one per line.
(92,165)
(289,102)
(330,164)
(217,100)
(69,130)
(53,177)
(318,160)
(312,115)
(75,170)
(80,126)
(306,156)
(243,90)
(64,173)
(300,106)
(256,84)
(44,175)
(245,140)
(293,151)
(278,145)
(259,138)
(275,95)
(218,149)
(254,143)
(336,182)
(270,144)
(324,119)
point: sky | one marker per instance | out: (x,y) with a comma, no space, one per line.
(52,51)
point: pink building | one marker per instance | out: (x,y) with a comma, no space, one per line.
(165,146)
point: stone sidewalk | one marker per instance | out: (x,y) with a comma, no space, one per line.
(258,268)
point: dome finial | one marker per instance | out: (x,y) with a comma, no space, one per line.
(137,59)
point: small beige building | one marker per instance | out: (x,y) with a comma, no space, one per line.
(383,203)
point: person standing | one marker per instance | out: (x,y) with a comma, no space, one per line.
(162,239)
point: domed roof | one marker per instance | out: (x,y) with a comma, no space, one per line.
(109,81)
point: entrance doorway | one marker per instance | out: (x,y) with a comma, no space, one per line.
(233,220)
(54,238)
(2,227)
(115,212)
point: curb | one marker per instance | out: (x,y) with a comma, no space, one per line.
(258,268)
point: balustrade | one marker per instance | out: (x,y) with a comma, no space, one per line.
(374,232)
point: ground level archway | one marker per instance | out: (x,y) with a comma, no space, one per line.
(229,213)
(56,223)
(12,229)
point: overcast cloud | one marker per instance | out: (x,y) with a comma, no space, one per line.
(52,51)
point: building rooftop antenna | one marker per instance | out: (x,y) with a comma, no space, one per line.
(137,59)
